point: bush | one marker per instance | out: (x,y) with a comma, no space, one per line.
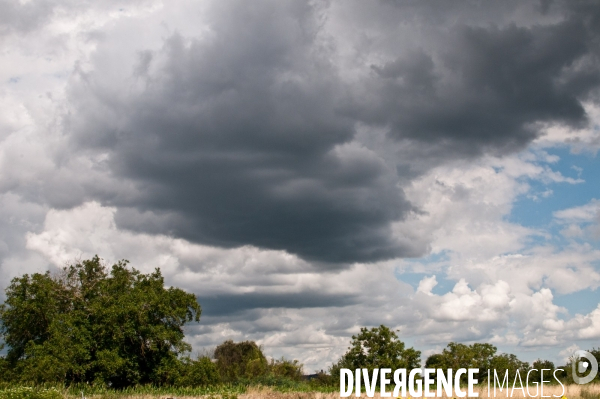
(322,380)
(198,373)
(290,369)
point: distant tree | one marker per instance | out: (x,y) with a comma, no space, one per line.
(283,368)
(596,353)
(478,355)
(457,355)
(510,362)
(240,360)
(377,347)
(537,366)
(435,361)
(93,324)
(566,374)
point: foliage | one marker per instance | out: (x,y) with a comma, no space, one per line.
(378,347)
(90,324)
(478,355)
(240,360)
(596,353)
(567,373)
(30,393)
(197,373)
(283,368)
(457,355)
(245,363)
(511,363)
(536,374)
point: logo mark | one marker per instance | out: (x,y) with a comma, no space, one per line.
(579,365)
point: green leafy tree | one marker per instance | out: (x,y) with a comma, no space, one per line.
(596,353)
(566,374)
(93,324)
(510,362)
(478,355)
(378,347)
(537,366)
(241,360)
(457,355)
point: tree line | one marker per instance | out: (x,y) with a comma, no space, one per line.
(118,327)
(115,327)
(379,347)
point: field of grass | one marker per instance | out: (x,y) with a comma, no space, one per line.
(253,392)
(591,391)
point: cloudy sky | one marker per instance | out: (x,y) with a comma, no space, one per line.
(308,168)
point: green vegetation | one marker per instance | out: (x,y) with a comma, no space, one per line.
(94,329)
(116,332)
(479,355)
(243,360)
(89,324)
(377,348)
(30,393)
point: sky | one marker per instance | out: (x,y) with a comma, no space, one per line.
(307,168)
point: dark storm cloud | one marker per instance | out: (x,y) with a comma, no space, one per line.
(234,142)
(246,136)
(224,304)
(487,87)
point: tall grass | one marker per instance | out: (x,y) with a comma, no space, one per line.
(303,390)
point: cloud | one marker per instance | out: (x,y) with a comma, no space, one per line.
(23,17)
(583,221)
(240,142)
(583,213)
(247,134)
(298,310)
(284,161)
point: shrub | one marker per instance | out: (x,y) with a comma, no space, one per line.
(290,369)
(198,373)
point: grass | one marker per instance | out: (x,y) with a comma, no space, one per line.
(301,391)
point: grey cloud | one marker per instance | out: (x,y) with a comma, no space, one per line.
(224,305)
(248,135)
(485,91)
(15,16)
(239,138)
(25,17)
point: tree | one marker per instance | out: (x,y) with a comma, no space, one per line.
(478,355)
(378,347)
(91,324)
(537,366)
(457,355)
(567,370)
(240,360)
(510,362)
